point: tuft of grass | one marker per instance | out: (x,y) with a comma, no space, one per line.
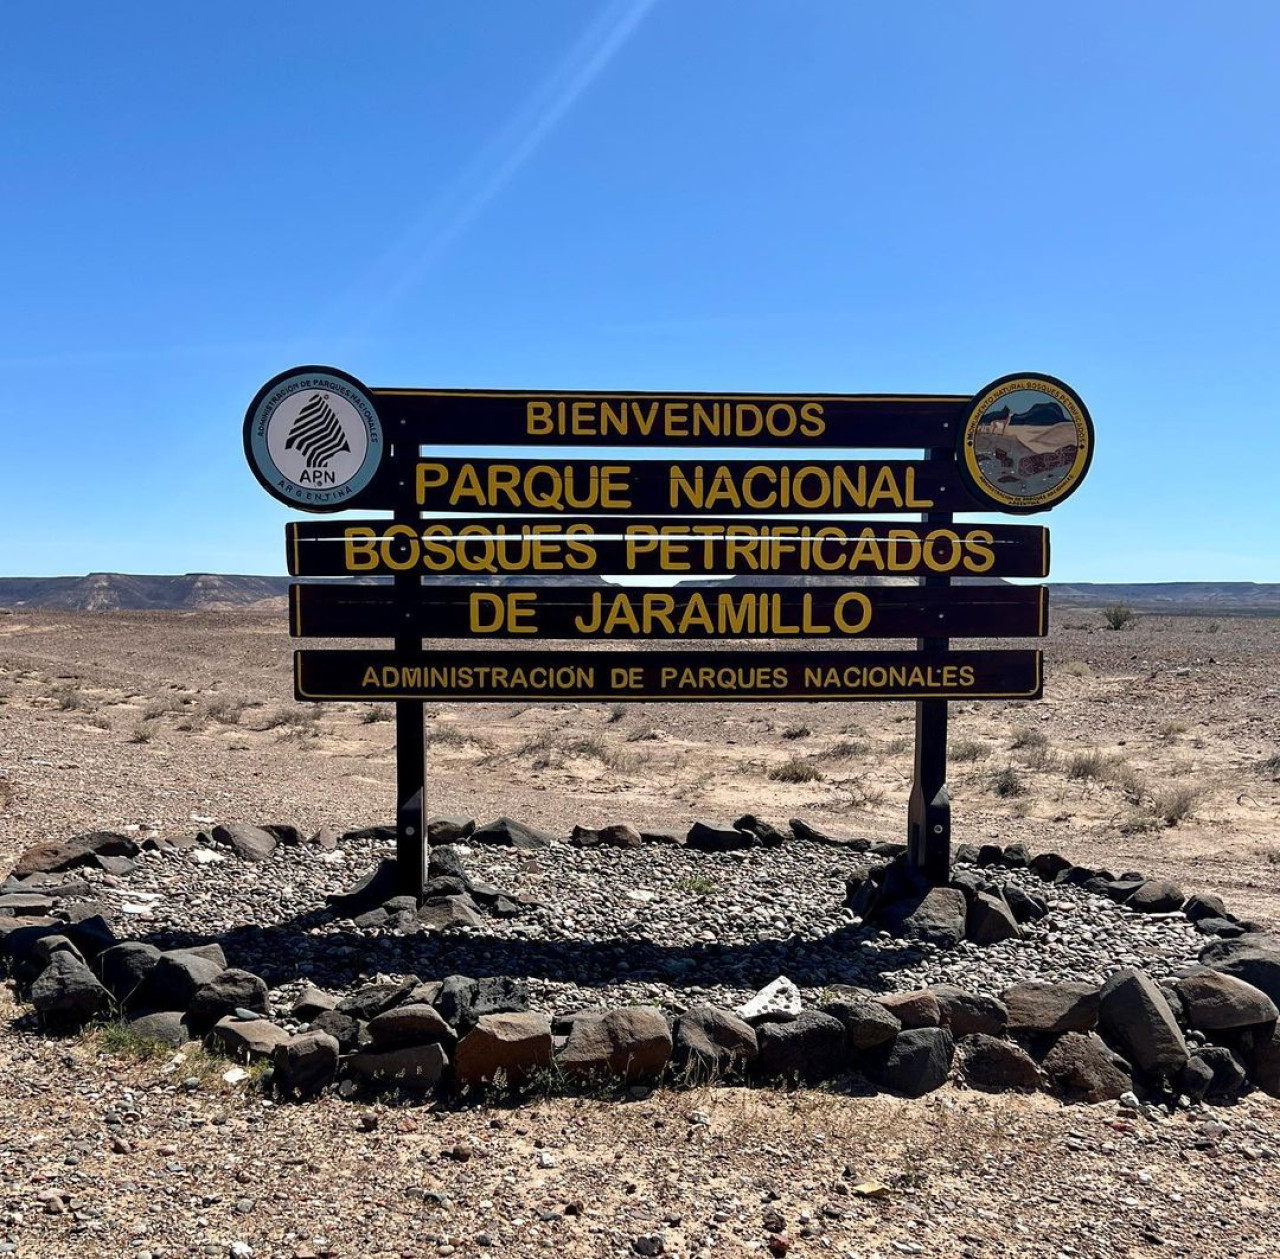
(643,734)
(1269,853)
(969,750)
(7,792)
(161,706)
(796,732)
(1138,824)
(70,698)
(616,713)
(375,713)
(698,884)
(1008,782)
(895,747)
(450,736)
(143,732)
(1123,775)
(847,750)
(1087,765)
(1176,804)
(1025,737)
(226,710)
(1077,669)
(122,1041)
(1119,615)
(795,770)
(1170,731)
(1270,766)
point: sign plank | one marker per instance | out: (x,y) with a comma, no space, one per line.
(566,487)
(438,417)
(719,676)
(478,547)
(638,612)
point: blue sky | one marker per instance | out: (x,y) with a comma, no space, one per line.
(716,194)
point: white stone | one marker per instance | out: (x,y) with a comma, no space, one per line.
(206,856)
(779,997)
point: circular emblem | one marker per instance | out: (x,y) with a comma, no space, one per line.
(1026,443)
(313,438)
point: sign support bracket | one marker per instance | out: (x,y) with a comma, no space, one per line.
(412,856)
(929,809)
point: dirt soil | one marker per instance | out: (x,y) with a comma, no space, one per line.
(1154,749)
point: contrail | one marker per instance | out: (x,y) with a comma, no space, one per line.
(426,240)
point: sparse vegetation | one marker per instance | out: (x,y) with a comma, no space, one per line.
(143,732)
(374,714)
(1077,669)
(969,750)
(698,884)
(899,745)
(1170,731)
(226,710)
(847,750)
(616,713)
(1087,765)
(795,770)
(1177,803)
(122,1041)
(161,706)
(447,735)
(1119,772)
(70,698)
(796,732)
(1025,737)
(1138,824)
(1008,782)
(7,793)
(1270,766)
(1119,615)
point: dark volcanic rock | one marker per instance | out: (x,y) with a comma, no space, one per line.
(449,829)
(305,1063)
(342,1027)
(367,1002)
(1025,906)
(770,836)
(709,837)
(938,917)
(988,1062)
(919,1008)
(123,967)
(1215,1001)
(174,980)
(55,855)
(633,1043)
(710,1042)
(249,843)
(990,920)
(1202,905)
(226,993)
(866,1022)
(1082,1068)
(811,1046)
(1048,865)
(508,833)
(1134,1016)
(409,1025)
(414,1067)
(1226,1075)
(1039,1009)
(66,993)
(449,913)
(916,1062)
(968,1013)
(1156,896)
(1257,966)
(513,1046)
(169,1027)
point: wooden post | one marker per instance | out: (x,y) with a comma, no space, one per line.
(412,856)
(929,810)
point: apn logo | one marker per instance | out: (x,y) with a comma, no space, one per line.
(317,434)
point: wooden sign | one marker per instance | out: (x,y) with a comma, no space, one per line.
(648,501)
(686,487)
(707,676)
(599,544)
(629,612)
(439,417)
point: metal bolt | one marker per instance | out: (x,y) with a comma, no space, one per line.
(937,828)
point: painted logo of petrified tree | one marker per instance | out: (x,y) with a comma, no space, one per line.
(1025,443)
(317,433)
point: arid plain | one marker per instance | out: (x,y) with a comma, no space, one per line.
(1156,748)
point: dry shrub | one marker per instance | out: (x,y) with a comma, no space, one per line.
(895,747)
(70,698)
(1177,803)
(1025,737)
(1008,782)
(1091,764)
(143,732)
(1270,766)
(1119,615)
(1170,731)
(375,713)
(7,792)
(616,713)
(795,770)
(796,732)
(160,706)
(1077,669)
(847,750)
(1120,773)
(226,710)
(969,750)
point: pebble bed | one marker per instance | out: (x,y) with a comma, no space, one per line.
(660,924)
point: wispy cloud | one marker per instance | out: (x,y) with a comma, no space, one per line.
(429,236)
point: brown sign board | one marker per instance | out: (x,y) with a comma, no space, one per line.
(436,417)
(567,487)
(472,546)
(711,676)
(830,613)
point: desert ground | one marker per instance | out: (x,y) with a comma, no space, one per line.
(1155,748)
